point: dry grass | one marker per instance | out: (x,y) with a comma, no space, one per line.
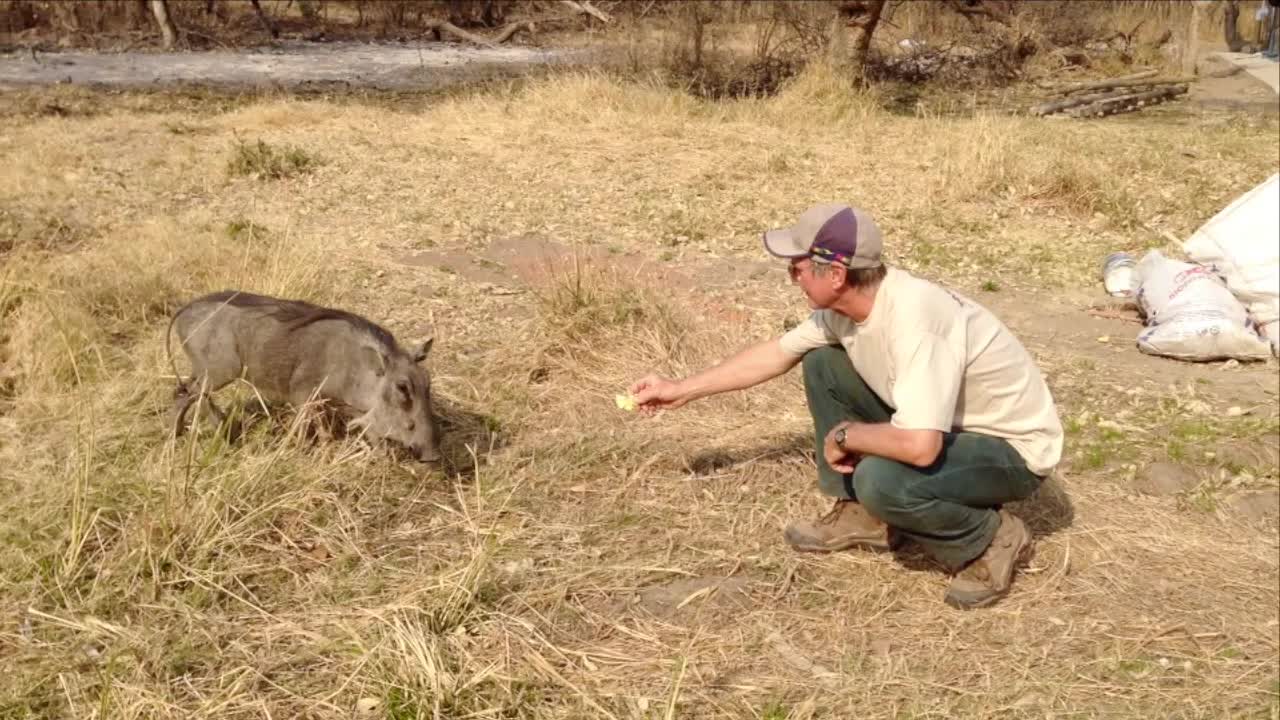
(559,567)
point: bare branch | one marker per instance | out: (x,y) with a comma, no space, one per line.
(160,9)
(585,7)
(444,26)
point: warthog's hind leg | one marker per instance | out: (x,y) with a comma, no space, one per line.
(198,392)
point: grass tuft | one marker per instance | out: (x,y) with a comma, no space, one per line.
(269,162)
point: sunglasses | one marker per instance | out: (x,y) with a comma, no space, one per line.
(794,270)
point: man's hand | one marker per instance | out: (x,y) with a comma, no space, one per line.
(913,447)
(840,460)
(656,393)
(763,361)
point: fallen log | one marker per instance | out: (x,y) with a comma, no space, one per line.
(513,28)
(266,21)
(1119,83)
(1076,87)
(441,27)
(1053,106)
(1127,103)
(530,25)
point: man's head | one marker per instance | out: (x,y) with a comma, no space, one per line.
(833,248)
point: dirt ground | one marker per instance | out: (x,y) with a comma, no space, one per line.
(1223,85)
(289,64)
(571,560)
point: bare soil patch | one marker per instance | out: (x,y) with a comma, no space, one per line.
(561,239)
(296,65)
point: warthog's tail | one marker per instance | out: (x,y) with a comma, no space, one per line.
(177,378)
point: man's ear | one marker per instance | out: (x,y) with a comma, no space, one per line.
(839,274)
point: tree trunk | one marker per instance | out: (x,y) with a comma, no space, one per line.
(457,14)
(862,17)
(66,15)
(1230,33)
(838,43)
(138,14)
(160,9)
(1191,44)
(266,21)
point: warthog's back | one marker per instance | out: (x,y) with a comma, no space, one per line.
(282,346)
(295,351)
(292,314)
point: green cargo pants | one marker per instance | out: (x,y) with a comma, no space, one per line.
(949,507)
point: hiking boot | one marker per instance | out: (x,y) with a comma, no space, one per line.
(848,525)
(988,578)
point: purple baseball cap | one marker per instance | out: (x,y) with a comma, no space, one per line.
(832,233)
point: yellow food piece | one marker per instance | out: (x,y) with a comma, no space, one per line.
(626,402)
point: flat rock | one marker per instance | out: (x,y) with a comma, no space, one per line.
(1260,456)
(1256,507)
(1162,478)
(689,593)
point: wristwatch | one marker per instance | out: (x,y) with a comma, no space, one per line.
(840,437)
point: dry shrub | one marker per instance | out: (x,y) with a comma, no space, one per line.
(21,230)
(409,14)
(691,47)
(712,49)
(719,50)
(113,23)
(588,307)
(103,16)
(822,93)
(262,160)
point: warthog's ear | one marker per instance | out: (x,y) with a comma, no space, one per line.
(420,352)
(376,360)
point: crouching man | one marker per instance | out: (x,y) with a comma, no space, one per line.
(928,413)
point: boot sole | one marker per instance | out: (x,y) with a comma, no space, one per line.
(843,544)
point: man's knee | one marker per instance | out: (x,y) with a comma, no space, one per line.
(880,487)
(818,363)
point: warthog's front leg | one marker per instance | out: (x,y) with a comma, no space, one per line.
(184,397)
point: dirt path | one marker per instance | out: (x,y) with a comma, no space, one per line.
(1058,324)
(292,64)
(1263,69)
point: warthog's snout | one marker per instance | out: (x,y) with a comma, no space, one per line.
(426,454)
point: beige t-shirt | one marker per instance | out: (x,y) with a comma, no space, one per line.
(943,362)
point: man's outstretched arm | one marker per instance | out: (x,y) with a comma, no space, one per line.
(752,366)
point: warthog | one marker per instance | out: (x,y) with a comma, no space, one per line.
(296,352)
